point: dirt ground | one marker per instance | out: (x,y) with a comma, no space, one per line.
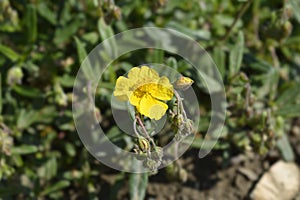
(210,179)
(213,177)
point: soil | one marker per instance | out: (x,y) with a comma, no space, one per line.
(213,177)
(209,179)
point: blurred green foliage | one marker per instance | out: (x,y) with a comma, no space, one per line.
(254,43)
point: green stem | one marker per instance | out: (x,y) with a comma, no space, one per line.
(239,15)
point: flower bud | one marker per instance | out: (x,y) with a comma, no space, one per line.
(287,29)
(162,2)
(144,144)
(176,173)
(60,96)
(14,76)
(6,142)
(183,175)
(117,12)
(189,126)
(183,83)
(152,164)
(157,154)
(244,77)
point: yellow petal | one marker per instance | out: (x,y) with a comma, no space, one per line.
(152,108)
(123,88)
(134,74)
(149,74)
(163,90)
(143,75)
(136,97)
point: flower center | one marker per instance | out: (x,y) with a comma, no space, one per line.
(144,89)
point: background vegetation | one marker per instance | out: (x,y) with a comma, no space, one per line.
(254,43)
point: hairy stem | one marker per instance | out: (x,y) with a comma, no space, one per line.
(180,108)
(144,129)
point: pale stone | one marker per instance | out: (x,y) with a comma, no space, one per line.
(281,182)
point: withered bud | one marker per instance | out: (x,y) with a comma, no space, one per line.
(183,83)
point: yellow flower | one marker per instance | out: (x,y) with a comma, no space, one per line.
(145,90)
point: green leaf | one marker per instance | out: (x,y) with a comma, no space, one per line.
(80,50)
(236,55)
(26,118)
(46,13)
(96,3)
(289,111)
(27,91)
(112,74)
(289,95)
(106,85)
(62,34)
(172,62)
(17,158)
(137,186)
(49,169)
(117,186)
(66,80)
(296,7)
(219,59)
(269,83)
(56,187)
(86,66)
(285,148)
(195,34)
(199,143)
(106,32)
(257,65)
(0,93)
(157,55)
(24,149)
(114,134)
(138,182)
(92,37)
(70,149)
(31,22)
(9,53)
(104,29)
(46,114)
(10,191)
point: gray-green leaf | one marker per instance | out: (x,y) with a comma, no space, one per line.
(24,149)
(236,55)
(56,187)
